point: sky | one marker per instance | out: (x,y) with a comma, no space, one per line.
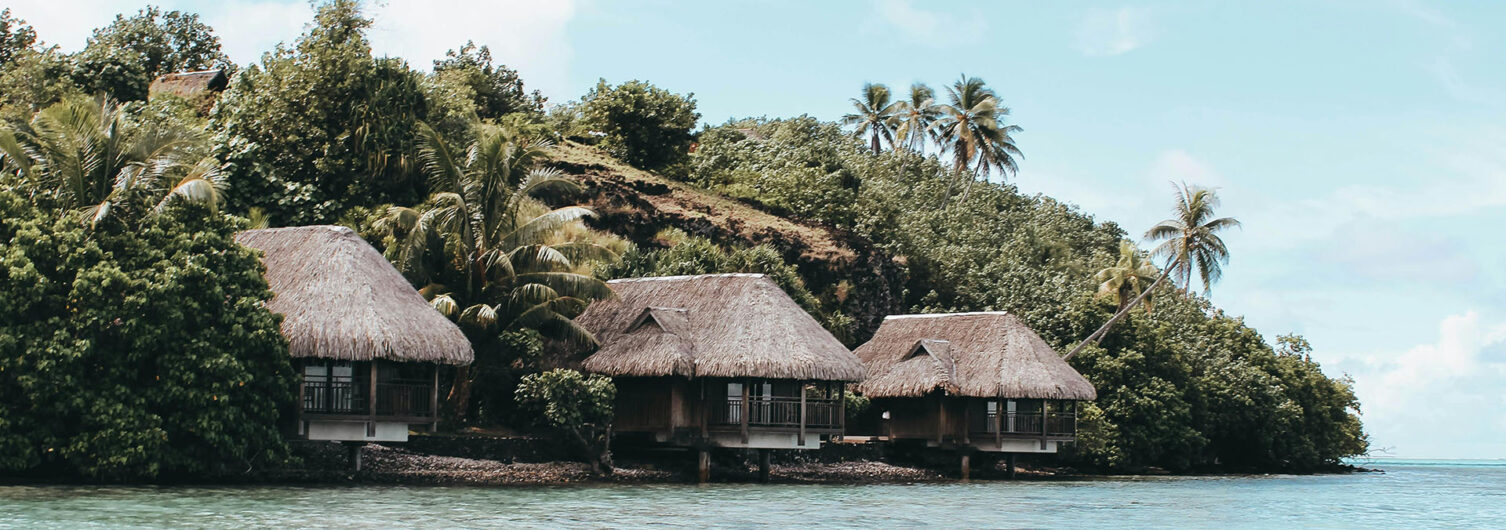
(1361,143)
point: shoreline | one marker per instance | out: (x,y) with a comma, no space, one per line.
(383,465)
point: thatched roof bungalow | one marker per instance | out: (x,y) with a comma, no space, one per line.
(367,344)
(984,380)
(189,84)
(726,359)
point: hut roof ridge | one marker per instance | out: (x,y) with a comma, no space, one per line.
(986,354)
(712,325)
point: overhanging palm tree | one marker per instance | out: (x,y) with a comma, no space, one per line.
(81,154)
(1127,278)
(486,251)
(874,116)
(1190,243)
(916,118)
(972,129)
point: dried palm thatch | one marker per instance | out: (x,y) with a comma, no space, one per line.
(966,354)
(340,299)
(715,325)
(186,84)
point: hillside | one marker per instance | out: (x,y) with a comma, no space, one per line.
(637,204)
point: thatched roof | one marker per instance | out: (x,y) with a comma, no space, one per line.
(186,84)
(966,354)
(715,325)
(340,299)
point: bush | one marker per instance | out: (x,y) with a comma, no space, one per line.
(134,354)
(643,125)
(576,405)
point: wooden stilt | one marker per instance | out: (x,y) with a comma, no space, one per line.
(967,465)
(1009,460)
(703,465)
(763,465)
(355,455)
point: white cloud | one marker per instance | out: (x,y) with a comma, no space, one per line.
(527,36)
(68,24)
(1443,397)
(247,29)
(932,28)
(1176,165)
(1108,32)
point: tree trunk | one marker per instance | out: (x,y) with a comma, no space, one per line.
(1118,315)
(875,143)
(459,398)
(603,455)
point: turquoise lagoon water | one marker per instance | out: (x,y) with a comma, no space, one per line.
(1409,494)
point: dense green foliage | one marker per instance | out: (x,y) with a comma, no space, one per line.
(133,341)
(84,155)
(135,352)
(487,252)
(496,89)
(1180,387)
(322,126)
(576,405)
(16,37)
(123,58)
(32,76)
(644,125)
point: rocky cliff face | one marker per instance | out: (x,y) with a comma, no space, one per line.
(636,204)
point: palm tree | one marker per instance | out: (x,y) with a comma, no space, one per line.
(875,115)
(489,254)
(916,118)
(1189,241)
(972,128)
(81,154)
(1127,278)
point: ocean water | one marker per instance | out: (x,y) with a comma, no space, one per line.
(1409,494)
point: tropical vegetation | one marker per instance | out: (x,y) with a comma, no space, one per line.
(120,203)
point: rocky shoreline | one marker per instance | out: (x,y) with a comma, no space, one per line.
(393,465)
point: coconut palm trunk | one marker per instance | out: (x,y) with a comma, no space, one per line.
(459,397)
(1104,329)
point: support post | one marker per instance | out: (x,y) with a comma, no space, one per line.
(1009,461)
(371,400)
(354,449)
(841,410)
(940,418)
(298,424)
(800,438)
(747,409)
(705,410)
(999,423)
(434,401)
(1045,415)
(703,465)
(763,465)
(967,421)
(967,465)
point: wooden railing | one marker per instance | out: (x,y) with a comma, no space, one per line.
(779,412)
(1027,423)
(348,397)
(340,396)
(403,399)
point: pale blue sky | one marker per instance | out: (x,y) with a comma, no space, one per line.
(1361,142)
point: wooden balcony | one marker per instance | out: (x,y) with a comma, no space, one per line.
(779,413)
(338,399)
(1057,425)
